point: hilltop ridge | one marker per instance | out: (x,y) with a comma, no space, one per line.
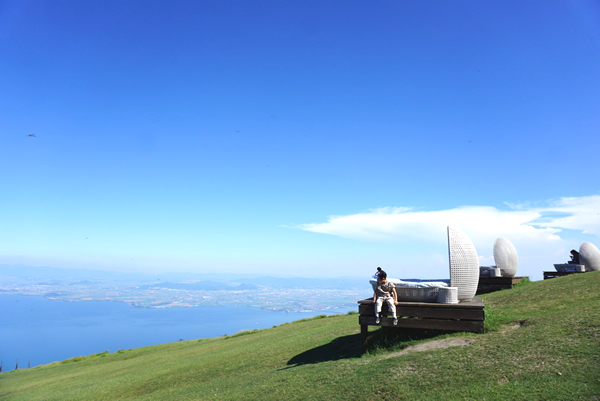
(541,342)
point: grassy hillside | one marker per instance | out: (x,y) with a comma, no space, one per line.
(542,342)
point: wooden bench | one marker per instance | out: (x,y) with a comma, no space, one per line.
(491,284)
(554,274)
(464,316)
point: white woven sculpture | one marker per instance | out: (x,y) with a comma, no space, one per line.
(505,256)
(464,264)
(589,256)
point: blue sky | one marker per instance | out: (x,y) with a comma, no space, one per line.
(315,138)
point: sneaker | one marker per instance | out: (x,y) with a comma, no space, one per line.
(377,320)
(395,321)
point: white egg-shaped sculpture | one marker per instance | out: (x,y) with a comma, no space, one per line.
(464,264)
(589,256)
(505,256)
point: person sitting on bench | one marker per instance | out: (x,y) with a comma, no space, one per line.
(385,292)
(574,258)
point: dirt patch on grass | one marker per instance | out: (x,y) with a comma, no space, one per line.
(436,344)
(510,327)
(446,343)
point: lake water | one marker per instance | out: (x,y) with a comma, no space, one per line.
(43,331)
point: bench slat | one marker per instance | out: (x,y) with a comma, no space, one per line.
(416,311)
(434,324)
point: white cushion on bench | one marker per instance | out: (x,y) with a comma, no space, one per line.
(413,283)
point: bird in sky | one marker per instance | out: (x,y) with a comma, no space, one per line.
(31,135)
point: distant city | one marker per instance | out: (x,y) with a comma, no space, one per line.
(147,291)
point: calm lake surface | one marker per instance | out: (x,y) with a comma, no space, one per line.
(45,331)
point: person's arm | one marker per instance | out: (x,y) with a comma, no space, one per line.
(374,296)
(395,296)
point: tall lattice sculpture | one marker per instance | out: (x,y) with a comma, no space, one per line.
(464,264)
(505,256)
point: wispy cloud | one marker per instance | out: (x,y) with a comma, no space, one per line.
(534,229)
(405,223)
(581,214)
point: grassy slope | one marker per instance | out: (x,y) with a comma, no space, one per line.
(543,342)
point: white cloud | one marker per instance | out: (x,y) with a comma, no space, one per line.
(577,214)
(535,230)
(404,224)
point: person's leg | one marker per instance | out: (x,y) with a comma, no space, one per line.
(378,304)
(392,308)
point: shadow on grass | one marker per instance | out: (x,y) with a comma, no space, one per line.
(340,348)
(384,339)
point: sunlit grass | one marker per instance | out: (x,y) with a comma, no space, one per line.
(541,341)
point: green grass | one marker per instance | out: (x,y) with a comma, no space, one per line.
(542,342)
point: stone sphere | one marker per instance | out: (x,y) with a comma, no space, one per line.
(589,256)
(505,256)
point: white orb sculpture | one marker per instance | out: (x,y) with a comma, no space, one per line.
(589,256)
(505,256)
(464,264)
